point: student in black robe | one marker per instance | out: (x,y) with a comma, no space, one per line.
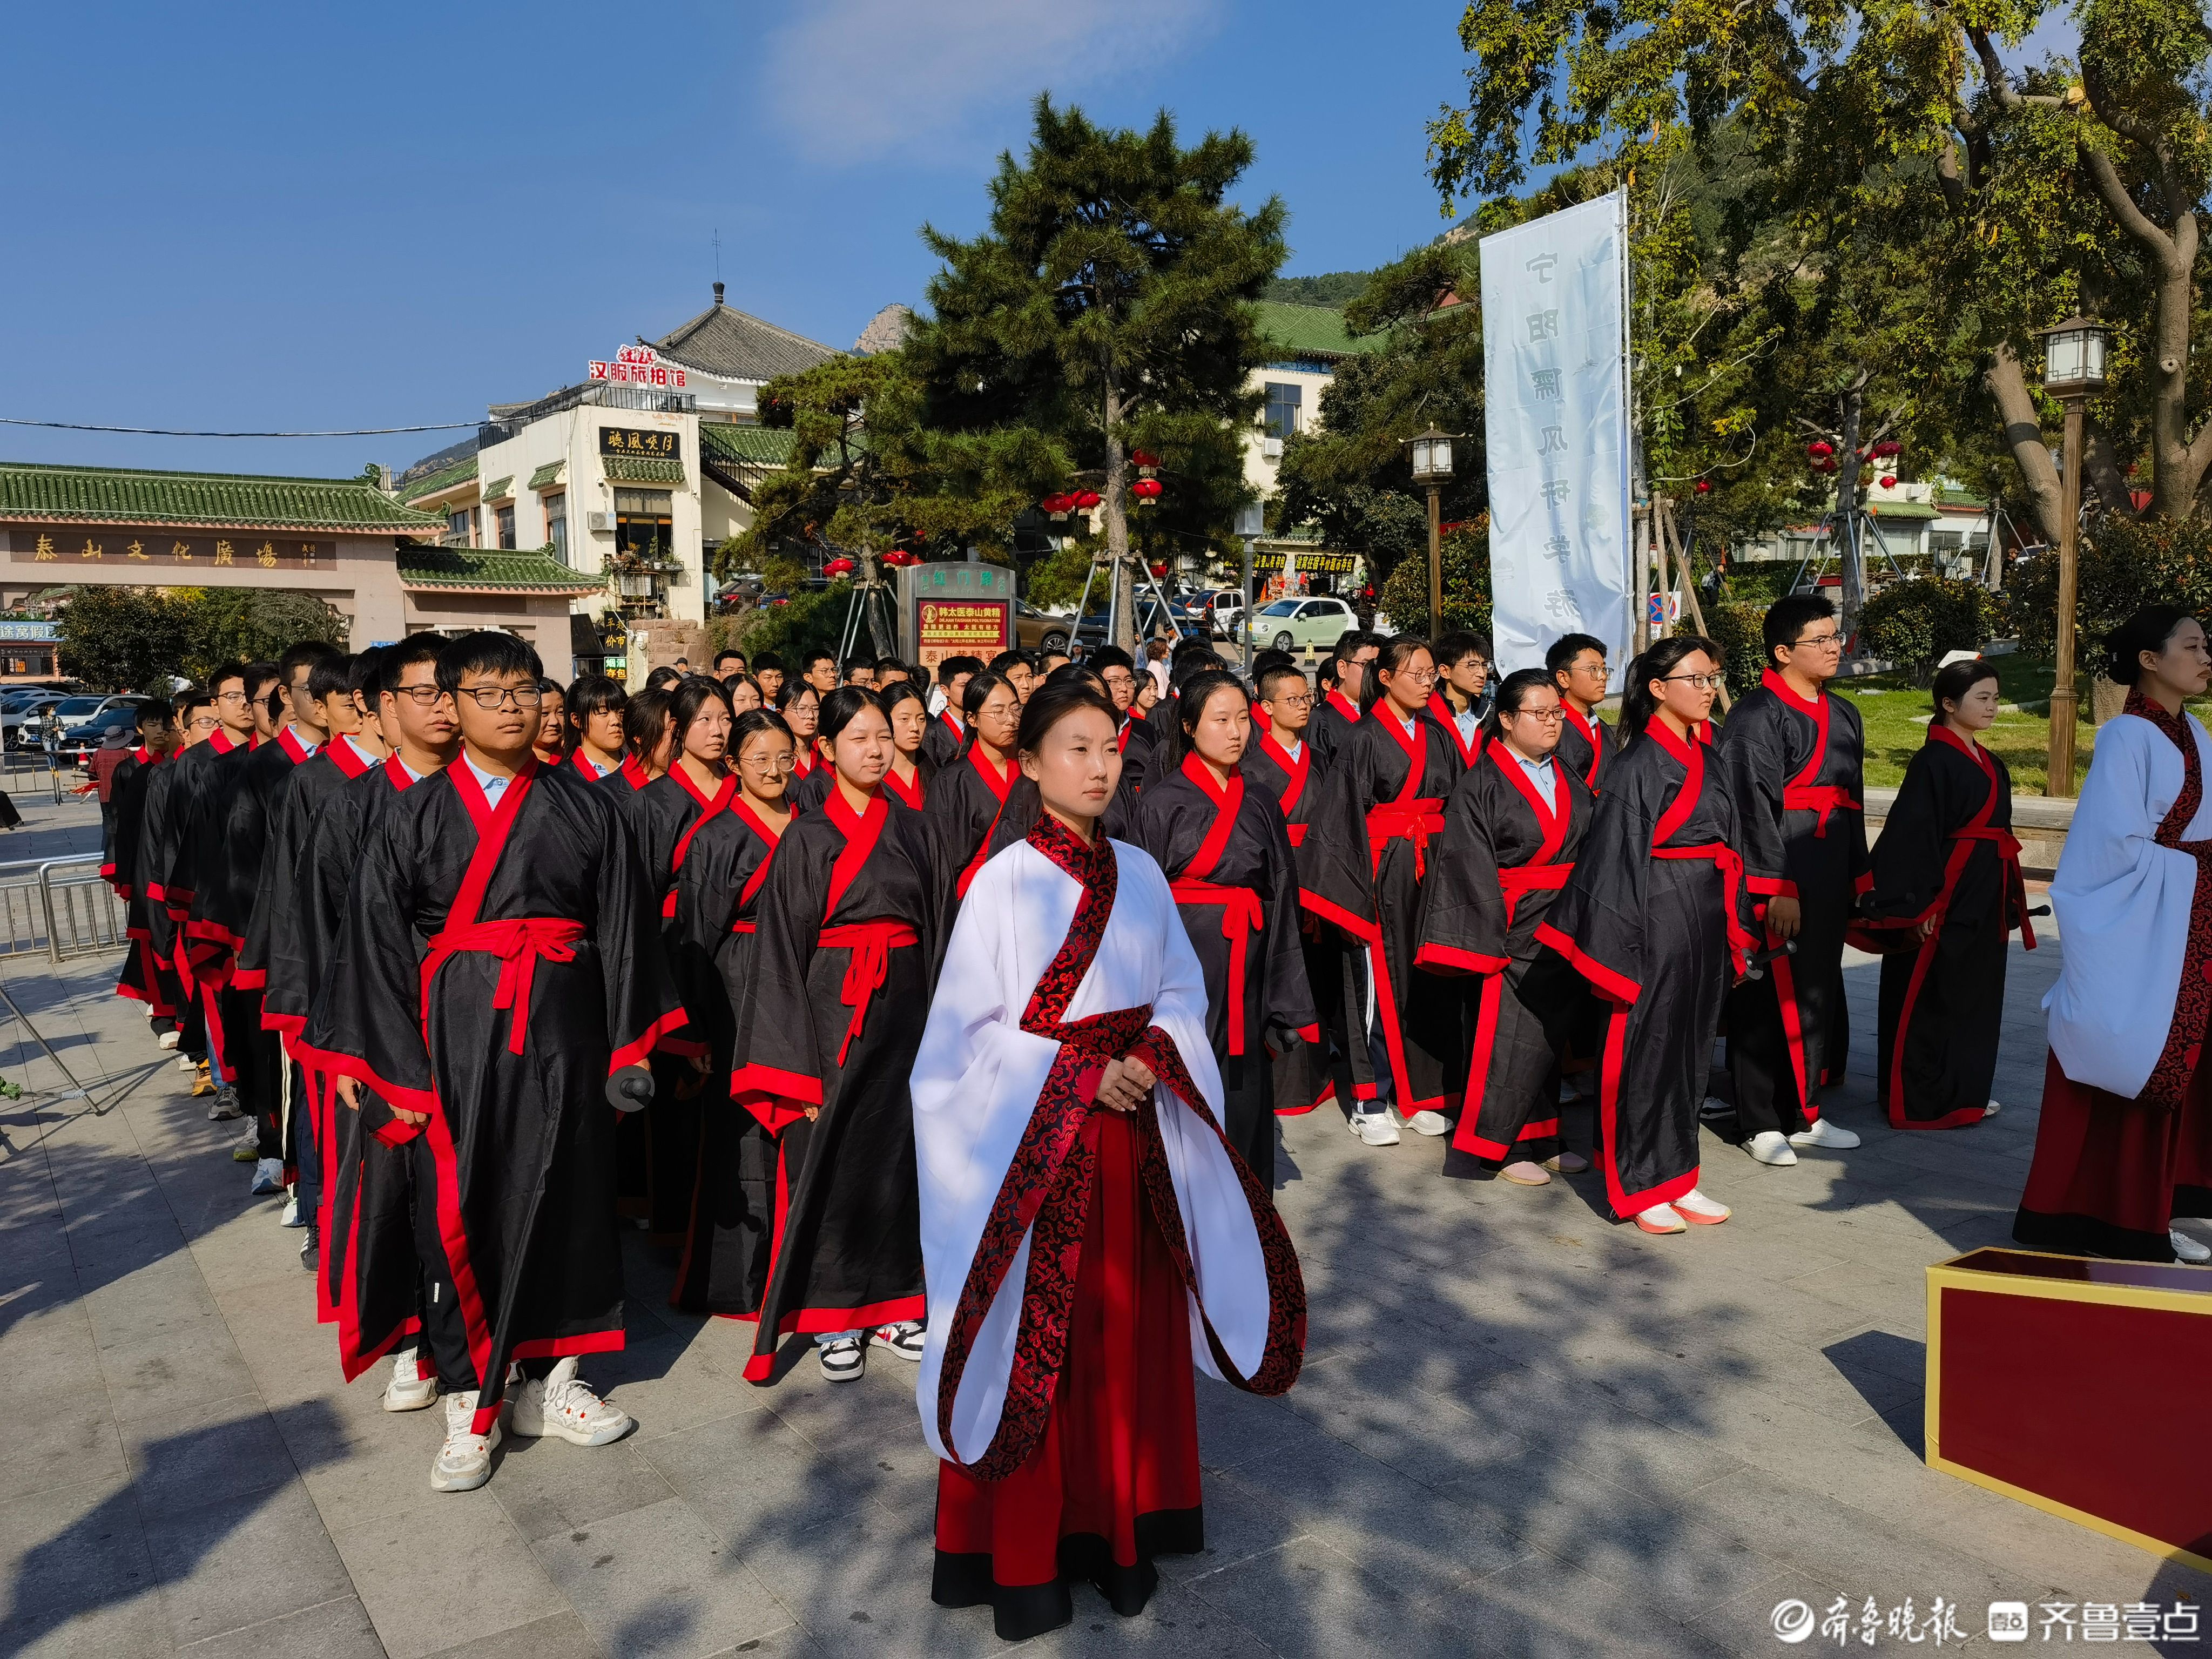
(1023,805)
(826,1037)
(168,798)
(1336,894)
(1396,767)
(1118,671)
(498,984)
(647,738)
(1577,666)
(1344,699)
(156,734)
(1792,757)
(234,824)
(969,798)
(1657,917)
(801,709)
(550,746)
(141,979)
(1228,861)
(724,1267)
(1947,894)
(1463,695)
(371,1281)
(948,732)
(908,710)
(1513,828)
(596,746)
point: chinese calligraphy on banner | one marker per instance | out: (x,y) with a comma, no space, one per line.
(634,440)
(113,547)
(1555,343)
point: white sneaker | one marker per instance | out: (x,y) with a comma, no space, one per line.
(1825,1132)
(904,1339)
(1661,1218)
(187,1063)
(411,1387)
(292,1216)
(167,1039)
(1376,1128)
(463,1462)
(840,1356)
(1771,1146)
(2186,1248)
(1429,1123)
(1700,1211)
(1991,1109)
(268,1176)
(562,1403)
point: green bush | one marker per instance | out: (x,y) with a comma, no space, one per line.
(1466,554)
(1734,625)
(129,638)
(2125,565)
(811,619)
(1914,621)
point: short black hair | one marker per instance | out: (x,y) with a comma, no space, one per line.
(1350,643)
(661,679)
(1112,656)
(230,671)
(725,653)
(486,652)
(818,653)
(1566,648)
(1272,657)
(1007,660)
(952,668)
(192,697)
(329,677)
(367,672)
(1274,674)
(260,674)
(768,662)
(1789,616)
(153,713)
(1954,680)
(304,655)
(841,707)
(594,694)
(397,660)
(1456,644)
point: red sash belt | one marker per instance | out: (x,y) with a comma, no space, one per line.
(1415,821)
(1822,798)
(1298,832)
(744,927)
(1531,879)
(871,943)
(2008,846)
(1241,918)
(517,942)
(1729,863)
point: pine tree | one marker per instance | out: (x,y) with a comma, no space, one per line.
(1107,309)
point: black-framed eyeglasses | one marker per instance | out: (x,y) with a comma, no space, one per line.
(423,696)
(1819,641)
(491,698)
(1701,682)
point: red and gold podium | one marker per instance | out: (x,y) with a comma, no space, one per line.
(2080,1387)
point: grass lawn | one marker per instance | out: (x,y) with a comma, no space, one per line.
(1895,714)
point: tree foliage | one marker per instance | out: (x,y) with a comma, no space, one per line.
(2124,566)
(1466,555)
(130,638)
(1915,623)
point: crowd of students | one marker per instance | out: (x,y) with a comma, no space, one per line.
(836,983)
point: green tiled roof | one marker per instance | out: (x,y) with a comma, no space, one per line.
(1901,510)
(643,468)
(444,478)
(107,495)
(488,567)
(745,446)
(500,488)
(548,473)
(1310,332)
(1947,496)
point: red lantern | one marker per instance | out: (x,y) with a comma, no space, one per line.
(1087,499)
(1704,486)
(1825,464)
(1820,449)
(1143,457)
(1055,505)
(1145,489)
(838,567)
(1889,481)
(898,558)
(1159,569)
(1889,447)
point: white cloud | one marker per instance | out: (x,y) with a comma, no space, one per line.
(851,81)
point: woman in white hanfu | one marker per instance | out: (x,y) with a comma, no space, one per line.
(2124,1141)
(1088,1236)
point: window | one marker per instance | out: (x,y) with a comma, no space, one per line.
(1283,397)
(506,515)
(556,524)
(645,522)
(460,524)
(1281,608)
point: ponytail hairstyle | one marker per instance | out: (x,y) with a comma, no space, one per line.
(1513,691)
(2149,629)
(840,707)
(898,691)
(973,696)
(1638,705)
(645,722)
(1397,651)
(1955,681)
(1190,707)
(1062,693)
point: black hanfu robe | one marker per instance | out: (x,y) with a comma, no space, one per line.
(1945,854)
(1794,772)
(166,854)
(723,1265)
(1656,919)
(1470,748)
(1334,717)
(963,808)
(1336,895)
(1396,782)
(911,792)
(625,780)
(369,1280)
(941,744)
(1506,852)
(1229,864)
(496,965)
(1587,746)
(146,977)
(832,1015)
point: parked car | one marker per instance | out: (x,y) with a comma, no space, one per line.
(27,724)
(1152,618)
(1228,612)
(82,739)
(29,710)
(1291,624)
(1039,630)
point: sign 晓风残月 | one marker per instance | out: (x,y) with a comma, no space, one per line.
(638,440)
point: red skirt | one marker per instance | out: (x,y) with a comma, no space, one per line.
(2109,1173)
(1113,1480)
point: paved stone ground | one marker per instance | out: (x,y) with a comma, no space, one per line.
(1520,1429)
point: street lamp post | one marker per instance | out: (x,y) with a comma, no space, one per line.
(2073,368)
(1251,524)
(1431,454)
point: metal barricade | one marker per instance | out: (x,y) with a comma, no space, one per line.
(60,906)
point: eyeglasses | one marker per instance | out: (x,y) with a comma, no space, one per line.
(493,697)
(231,696)
(423,696)
(1419,676)
(1297,699)
(1819,641)
(1549,716)
(1700,682)
(202,723)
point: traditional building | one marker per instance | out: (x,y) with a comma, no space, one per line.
(345,541)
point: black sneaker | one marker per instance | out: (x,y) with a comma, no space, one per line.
(225,1106)
(311,1248)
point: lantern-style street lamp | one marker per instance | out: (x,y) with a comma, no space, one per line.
(1431,456)
(2073,368)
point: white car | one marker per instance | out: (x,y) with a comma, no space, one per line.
(1293,624)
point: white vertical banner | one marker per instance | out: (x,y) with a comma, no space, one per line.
(1555,362)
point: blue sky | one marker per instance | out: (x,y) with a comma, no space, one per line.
(236,216)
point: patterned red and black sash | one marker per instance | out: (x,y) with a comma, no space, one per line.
(1046,1194)
(2192,997)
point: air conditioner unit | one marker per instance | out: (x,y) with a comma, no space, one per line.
(599,524)
(1271,448)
